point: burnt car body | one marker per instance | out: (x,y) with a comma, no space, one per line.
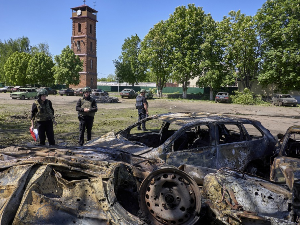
(128,93)
(286,165)
(284,100)
(222,97)
(6,89)
(103,97)
(208,141)
(90,186)
(67,92)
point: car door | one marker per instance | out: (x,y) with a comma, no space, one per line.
(194,145)
(235,148)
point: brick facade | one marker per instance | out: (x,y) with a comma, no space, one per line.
(84,44)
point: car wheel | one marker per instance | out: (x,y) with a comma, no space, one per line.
(169,195)
(61,95)
(280,104)
(22,97)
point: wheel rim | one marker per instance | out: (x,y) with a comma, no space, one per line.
(170,196)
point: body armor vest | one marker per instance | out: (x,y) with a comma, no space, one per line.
(86,104)
(139,102)
(44,112)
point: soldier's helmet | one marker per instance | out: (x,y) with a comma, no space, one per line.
(41,92)
(86,89)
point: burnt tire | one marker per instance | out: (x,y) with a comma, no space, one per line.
(22,97)
(170,196)
(280,104)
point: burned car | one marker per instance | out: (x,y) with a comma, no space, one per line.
(90,186)
(208,141)
(286,165)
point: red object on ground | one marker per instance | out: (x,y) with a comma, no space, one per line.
(32,134)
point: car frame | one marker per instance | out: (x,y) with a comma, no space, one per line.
(198,140)
(222,97)
(284,100)
(23,93)
(78,92)
(128,93)
(67,92)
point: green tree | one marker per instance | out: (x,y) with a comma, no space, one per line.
(242,49)
(187,31)
(16,67)
(128,66)
(39,69)
(156,53)
(41,47)
(278,23)
(7,48)
(111,78)
(67,67)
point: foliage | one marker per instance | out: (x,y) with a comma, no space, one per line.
(16,68)
(246,98)
(189,31)
(41,47)
(39,69)
(241,52)
(157,53)
(7,48)
(128,67)
(111,78)
(67,67)
(278,23)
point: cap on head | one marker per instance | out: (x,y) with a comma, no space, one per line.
(86,89)
(41,92)
(142,91)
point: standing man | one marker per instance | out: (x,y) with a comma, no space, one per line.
(86,107)
(42,113)
(142,107)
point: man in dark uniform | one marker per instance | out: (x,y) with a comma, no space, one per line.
(86,107)
(42,113)
(142,107)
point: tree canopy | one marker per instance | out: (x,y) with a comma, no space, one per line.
(67,67)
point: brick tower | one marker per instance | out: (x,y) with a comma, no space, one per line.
(84,43)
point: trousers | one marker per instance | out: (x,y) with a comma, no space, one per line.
(45,128)
(85,123)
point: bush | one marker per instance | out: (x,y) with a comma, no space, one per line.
(246,98)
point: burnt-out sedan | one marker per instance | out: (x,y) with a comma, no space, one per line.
(207,141)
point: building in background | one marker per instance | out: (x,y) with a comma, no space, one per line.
(84,43)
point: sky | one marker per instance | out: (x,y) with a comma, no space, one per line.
(48,21)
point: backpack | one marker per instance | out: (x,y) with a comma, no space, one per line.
(139,102)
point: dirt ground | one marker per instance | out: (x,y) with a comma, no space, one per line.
(276,119)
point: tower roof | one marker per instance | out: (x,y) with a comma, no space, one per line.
(85,7)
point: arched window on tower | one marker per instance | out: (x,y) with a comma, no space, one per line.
(79,27)
(91,28)
(78,45)
(91,64)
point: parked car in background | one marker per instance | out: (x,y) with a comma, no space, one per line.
(50,90)
(67,92)
(6,89)
(284,99)
(148,94)
(99,91)
(128,93)
(78,92)
(24,93)
(16,88)
(222,97)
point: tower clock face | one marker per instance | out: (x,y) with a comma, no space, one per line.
(78,12)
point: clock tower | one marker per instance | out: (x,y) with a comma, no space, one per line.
(84,43)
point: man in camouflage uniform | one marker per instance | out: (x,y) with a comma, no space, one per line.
(42,113)
(86,107)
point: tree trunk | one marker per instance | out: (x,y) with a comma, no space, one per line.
(184,90)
